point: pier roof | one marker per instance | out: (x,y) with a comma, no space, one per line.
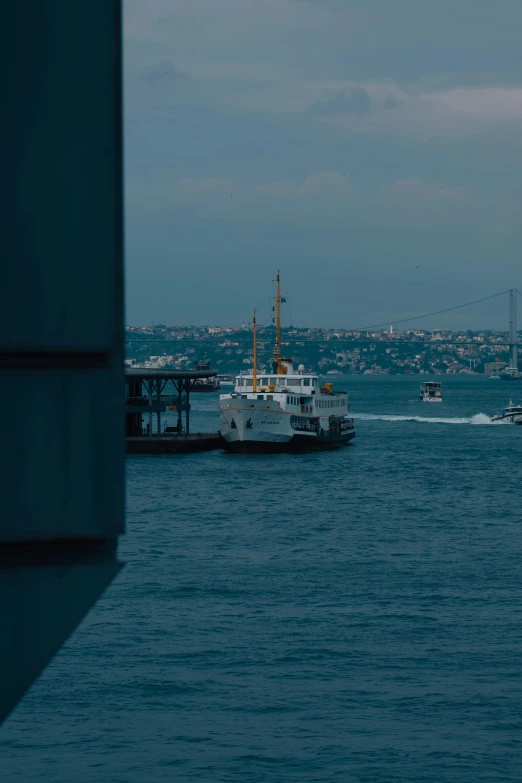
(148,373)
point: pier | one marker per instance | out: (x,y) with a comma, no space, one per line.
(145,402)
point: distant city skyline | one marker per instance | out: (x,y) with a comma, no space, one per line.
(369,150)
(327,351)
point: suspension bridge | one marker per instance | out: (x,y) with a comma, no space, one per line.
(366,334)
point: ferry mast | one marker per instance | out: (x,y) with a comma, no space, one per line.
(277,349)
(254,371)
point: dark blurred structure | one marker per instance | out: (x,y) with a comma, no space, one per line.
(61,326)
(144,396)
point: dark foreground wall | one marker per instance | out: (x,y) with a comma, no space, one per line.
(61,325)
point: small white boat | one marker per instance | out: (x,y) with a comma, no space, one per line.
(431,391)
(225,380)
(511,415)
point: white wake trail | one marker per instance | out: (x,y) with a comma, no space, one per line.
(478,418)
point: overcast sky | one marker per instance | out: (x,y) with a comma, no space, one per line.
(371,149)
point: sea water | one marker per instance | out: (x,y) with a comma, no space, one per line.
(352,615)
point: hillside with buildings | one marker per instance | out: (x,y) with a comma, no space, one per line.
(325,351)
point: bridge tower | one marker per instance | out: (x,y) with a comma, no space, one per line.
(513,330)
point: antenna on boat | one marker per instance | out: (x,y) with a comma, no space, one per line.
(277,348)
(254,371)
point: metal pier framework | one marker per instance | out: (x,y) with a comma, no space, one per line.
(146,401)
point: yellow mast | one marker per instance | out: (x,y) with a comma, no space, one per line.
(254,372)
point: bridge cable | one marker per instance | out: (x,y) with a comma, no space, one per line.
(428,315)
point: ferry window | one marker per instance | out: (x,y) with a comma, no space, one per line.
(264,381)
(269,397)
(281,382)
(260,397)
(306,381)
(248,381)
(294,382)
(314,383)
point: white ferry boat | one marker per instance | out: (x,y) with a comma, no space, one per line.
(510,374)
(283,410)
(431,391)
(511,415)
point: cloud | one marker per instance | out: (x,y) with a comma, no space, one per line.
(321,198)
(162,72)
(417,205)
(321,182)
(213,186)
(413,190)
(390,102)
(492,104)
(353,101)
(432,116)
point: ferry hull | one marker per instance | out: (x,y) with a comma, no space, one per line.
(298,444)
(261,426)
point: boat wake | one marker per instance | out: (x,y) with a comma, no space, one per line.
(478,418)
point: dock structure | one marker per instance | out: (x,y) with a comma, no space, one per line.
(145,402)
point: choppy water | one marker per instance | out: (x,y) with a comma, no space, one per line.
(351,616)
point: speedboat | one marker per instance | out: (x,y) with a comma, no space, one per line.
(431,391)
(512,414)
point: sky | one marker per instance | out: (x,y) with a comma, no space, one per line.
(370,149)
